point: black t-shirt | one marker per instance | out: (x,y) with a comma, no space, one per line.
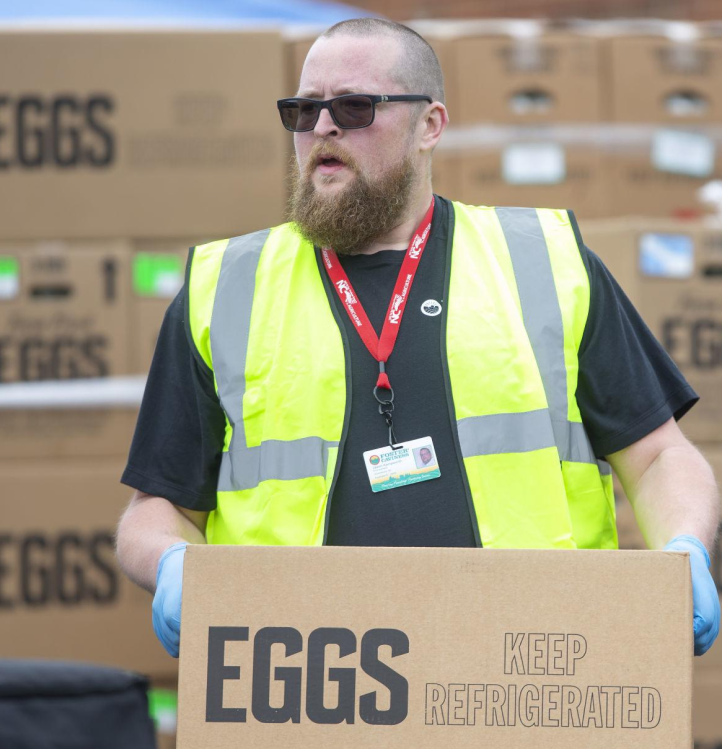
(628,386)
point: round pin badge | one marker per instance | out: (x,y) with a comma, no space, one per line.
(431,308)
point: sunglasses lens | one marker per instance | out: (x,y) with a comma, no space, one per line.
(299,115)
(353,111)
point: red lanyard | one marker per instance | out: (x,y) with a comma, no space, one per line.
(381,348)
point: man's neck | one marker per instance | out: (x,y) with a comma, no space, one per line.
(400,236)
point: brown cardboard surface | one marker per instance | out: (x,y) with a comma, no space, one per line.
(609,238)
(66,313)
(489,71)
(639,187)
(706,715)
(62,595)
(581,188)
(66,432)
(382,647)
(150,302)
(445,175)
(296,50)
(166,740)
(685,314)
(140,133)
(644,71)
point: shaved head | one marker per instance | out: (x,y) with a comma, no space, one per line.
(417,71)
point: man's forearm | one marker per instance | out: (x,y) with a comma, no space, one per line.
(148,527)
(677,494)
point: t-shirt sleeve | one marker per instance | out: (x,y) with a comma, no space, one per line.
(628,385)
(178,441)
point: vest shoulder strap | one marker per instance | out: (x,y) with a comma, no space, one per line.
(236,260)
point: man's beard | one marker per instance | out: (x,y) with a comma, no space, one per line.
(352,219)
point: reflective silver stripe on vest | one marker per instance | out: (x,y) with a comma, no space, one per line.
(543,322)
(505,433)
(244,467)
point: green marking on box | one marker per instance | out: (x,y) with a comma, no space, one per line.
(9,266)
(163,709)
(9,277)
(157,274)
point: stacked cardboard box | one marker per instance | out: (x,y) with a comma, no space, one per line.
(140,134)
(107,137)
(61,592)
(523,100)
(630,114)
(665,79)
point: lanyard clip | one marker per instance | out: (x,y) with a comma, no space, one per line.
(393,442)
(386,405)
(382,383)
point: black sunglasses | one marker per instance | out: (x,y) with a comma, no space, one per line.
(349,111)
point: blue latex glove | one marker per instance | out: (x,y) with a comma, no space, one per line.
(167,599)
(704,592)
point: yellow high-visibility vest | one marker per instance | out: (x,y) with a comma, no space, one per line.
(261,318)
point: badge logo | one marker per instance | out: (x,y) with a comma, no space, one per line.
(431,308)
(345,289)
(374,460)
(395,313)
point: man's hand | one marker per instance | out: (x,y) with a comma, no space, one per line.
(167,599)
(704,592)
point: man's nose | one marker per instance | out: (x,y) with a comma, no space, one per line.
(326,126)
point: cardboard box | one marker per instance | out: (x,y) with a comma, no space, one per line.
(516,71)
(317,647)
(445,175)
(64,314)
(672,270)
(66,432)
(706,716)
(140,133)
(667,73)
(609,239)
(659,171)
(62,595)
(528,166)
(685,313)
(158,272)
(63,309)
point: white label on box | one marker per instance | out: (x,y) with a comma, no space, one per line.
(9,287)
(167,285)
(533,164)
(679,152)
(666,255)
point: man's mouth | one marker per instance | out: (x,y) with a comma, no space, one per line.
(329,164)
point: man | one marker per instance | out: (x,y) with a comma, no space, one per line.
(425,455)
(297,359)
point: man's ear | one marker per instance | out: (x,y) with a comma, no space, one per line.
(435,121)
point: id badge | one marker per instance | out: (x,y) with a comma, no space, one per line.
(412,462)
